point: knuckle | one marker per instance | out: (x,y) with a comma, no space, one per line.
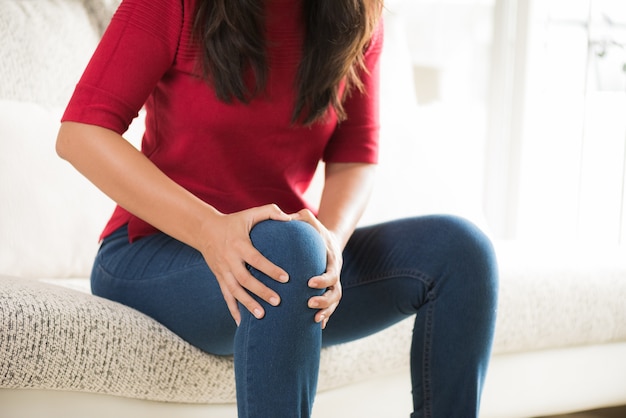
(246,280)
(254,257)
(233,286)
(306,213)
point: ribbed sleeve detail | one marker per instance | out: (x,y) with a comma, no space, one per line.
(137,49)
(161,19)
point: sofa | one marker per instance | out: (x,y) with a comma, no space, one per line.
(560,342)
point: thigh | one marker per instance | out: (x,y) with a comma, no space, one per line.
(379,279)
(168,281)
(391,270)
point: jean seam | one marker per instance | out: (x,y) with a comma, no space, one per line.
(429,282)
(243,363)
(137,278)
(426,360)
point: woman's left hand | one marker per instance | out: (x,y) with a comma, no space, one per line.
(329,280)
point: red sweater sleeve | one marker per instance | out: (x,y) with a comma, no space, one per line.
(138,47)
(356,138)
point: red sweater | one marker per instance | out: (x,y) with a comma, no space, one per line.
(232,156)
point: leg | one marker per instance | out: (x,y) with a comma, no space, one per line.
(443,269)
(277,357)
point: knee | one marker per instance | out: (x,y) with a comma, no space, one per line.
(294,246)
(472,254)
(466,240)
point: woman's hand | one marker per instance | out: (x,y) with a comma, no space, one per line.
(326,303)
(228,248)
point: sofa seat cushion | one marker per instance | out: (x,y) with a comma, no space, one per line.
(59,338)
(62,337)
(549,297)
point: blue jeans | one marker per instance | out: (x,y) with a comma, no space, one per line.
(440,268)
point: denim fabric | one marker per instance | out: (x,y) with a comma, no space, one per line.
(441,268)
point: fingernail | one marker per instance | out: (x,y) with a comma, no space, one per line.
(258,313)
(284,278)
(274,301)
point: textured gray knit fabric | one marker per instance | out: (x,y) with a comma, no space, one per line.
(58,338)
(45,47)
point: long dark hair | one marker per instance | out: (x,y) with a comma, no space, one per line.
(232,41)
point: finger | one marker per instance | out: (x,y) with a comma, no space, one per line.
(323,316)
(319,302)
(231,301)
(328,300)
(271,211)
(235,290)
(257,260)
(323,281)
(307,216)
(330,297)
(256,287)
(250,303)
(233,307)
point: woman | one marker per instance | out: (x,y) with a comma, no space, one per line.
(212,235)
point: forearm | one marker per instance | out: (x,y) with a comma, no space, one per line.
(133,181)
(347,189)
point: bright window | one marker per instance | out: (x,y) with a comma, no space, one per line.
(566,180)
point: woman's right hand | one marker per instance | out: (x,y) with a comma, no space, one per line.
(228,250)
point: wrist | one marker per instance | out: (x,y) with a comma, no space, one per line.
(203,227)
